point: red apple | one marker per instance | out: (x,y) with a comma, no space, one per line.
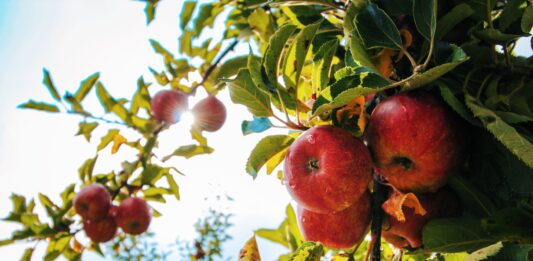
(133,216)
(327,169)
(101,230)
(343,229)
(92,202)
(443,203)
(416,141)
(209,114)
(168,105)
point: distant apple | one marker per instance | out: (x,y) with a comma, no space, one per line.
(209,114)
(343,229)
(101,230)
(416,141)
(133,216)
(327,169)
(168,105)
(443,203)
(92,202)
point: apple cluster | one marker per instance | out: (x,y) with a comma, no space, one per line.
(101,218)
(168,106)
(413,142)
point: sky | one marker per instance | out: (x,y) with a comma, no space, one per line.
(39,152)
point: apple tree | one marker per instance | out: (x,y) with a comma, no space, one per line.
(409,128)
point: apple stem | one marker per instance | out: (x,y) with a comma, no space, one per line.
(378,197)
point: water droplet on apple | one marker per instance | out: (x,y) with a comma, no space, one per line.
(311,139)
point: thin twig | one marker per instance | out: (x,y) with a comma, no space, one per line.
(211,68)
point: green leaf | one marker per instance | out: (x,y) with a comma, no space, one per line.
(456,104)
(495,36)
(459,13)
(513,252)
(527,19)
(173,186)
(47,81)
(86,170)
(354,42)
(273,52)
(376,29)
(250,251)
(505,133)
(141,98)
(322,64)
(243,91)
(342,99)
(206,17)
(108,138)
(511,12)
(278,235)
(454,235)
(152,173)
(257,125)
(295,58)
(105,98)
(425,16)
(189,151)
(474,201)
(261,23)
(308,251)
(267,148)
(485,253)
(185,42)
(86,86)
(27,254)
(6,242)
(186,13)
(86,129)
(292,223)
(149,10)
(41,106)
(513,118)
(436,72)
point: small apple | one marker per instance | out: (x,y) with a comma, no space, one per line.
(209,114)
(443,203)
(101,230)
(343,229)
(92,202)
(327,169)
(416,141)
(133,216)
(168,105)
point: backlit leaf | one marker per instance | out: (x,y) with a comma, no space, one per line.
(186,13)
(47,80)
(267,148)
(86,86)
(41,106)
(244,91)
(86,129)
(273,52)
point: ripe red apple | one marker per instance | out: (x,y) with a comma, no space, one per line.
(92,202)
(168,105)
(416,141)
(133,216)
(443,203)
(209,114)
(101,230)
(327,169)
(343,229)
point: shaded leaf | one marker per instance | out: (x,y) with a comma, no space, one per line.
(273,52)
(376,29)
(455,235)
(505,133)
(527,19)
(474,201)
(459,13)
(425,16)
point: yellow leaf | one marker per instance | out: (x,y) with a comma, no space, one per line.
(250,252)
(394,204)
(273,162)
(117,141)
